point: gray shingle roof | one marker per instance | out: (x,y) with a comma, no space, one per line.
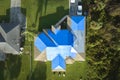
(8,26)
(12,41)
(1,38)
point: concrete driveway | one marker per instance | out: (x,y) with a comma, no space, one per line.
(73,7)
(15,13)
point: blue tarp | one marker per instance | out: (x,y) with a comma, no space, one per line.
(58,63)
(62,37)
(77,23)
(43,41)
(39,44)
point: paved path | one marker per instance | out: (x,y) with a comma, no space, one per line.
(15,13)
(15,10)
(73,7)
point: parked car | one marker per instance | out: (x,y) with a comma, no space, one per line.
(79,8)
(72,1)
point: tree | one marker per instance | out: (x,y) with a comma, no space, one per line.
(95,25)
(114,10)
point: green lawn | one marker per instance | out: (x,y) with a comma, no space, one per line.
(40,14)
(75,71)
(4,10)
(44,13)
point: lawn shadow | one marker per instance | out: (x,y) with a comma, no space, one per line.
(39,72)
(41,4)
(23,10)
(52,19)
(5,18)
(13,66)
(2,68)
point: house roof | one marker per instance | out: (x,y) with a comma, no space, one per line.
(49,39)
(8,26)
(10,33)
(43,41)
(58,63)
(66,42)
(64,51)
(62,37)
(1,38)
(78,29)
(79,41)
(77,23)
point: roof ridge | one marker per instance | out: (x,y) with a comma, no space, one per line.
(2,32)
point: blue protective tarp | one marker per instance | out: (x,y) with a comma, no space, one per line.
(58,62)
(43,41)
(77,23)
(39,44)
(62,37)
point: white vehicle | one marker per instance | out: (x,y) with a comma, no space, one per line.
(72,1)
(79,8)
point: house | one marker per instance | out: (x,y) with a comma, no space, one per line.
(60,45)
(10,38)
(10,33)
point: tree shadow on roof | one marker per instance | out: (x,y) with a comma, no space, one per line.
(52,19)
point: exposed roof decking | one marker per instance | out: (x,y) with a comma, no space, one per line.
(77,24)
(79,41)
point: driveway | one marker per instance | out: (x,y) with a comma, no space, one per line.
(15,10)
(73,7)
(15,13)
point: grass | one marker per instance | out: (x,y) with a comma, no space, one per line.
(15,67)
(43,71)
(73,72)
(4,10)
(40,14)
(44,13)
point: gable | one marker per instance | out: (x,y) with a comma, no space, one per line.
(77,23)
(58,62)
